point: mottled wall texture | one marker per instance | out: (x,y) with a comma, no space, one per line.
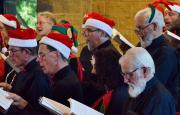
(121,11)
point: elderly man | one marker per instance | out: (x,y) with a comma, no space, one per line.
(97,31)
(149,23)
(54,50)
(31,83)
(148,95)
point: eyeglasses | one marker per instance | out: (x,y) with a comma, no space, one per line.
(129,73)
(140,30)
(42,55)
(13,51)
(87,31)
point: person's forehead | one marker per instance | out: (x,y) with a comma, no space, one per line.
(90,27)
(172,12)
(43,18)
(175,13)
(139,21)
(43,48)
(126,64)
(13,47)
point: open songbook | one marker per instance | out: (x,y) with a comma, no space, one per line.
(118,37)
(172,35)
(76,108)
(4,102)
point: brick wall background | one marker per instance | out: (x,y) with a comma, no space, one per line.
(121,11)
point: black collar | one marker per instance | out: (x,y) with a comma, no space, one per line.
(104,45)
(31,65)
(156,42)
(61,74)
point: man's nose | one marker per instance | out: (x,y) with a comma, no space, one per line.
(126,79)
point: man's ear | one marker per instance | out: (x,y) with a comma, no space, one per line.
(27,51)
(145,71)
(154,26)
(56,55)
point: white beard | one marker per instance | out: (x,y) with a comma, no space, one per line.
(135,90)
(146,41)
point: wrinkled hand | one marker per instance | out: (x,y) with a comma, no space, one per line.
(5,86)
(18,100)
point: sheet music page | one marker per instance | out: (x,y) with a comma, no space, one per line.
(4,102)
(54,106)
(78,108)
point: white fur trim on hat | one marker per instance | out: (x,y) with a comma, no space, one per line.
(7,22)
(175,8)
(22,43)
(99,24)
(63,49)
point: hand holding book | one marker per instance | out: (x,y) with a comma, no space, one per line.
(5,103)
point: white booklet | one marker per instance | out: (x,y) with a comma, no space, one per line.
(4,102)
(118,37)
(76,108)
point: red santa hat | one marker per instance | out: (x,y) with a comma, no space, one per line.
(175,8)
(22,38)
(10,20)
(58,41)
(98,21)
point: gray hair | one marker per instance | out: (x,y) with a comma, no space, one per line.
(139,57)
(158,18)
(48,15)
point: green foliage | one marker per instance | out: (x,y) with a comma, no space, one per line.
(26,12)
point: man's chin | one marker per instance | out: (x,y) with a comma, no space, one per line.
(90,48)
(135,91)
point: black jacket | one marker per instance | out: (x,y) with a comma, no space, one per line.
(165,60)
(154,100)
(66,85)
(31,84)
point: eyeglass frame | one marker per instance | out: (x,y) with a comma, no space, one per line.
(87,31)
(43,55)
(130,73)
(140,30)
(13,51)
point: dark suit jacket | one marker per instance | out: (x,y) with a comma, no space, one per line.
(66,85)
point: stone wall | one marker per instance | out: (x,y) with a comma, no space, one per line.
(122,11)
